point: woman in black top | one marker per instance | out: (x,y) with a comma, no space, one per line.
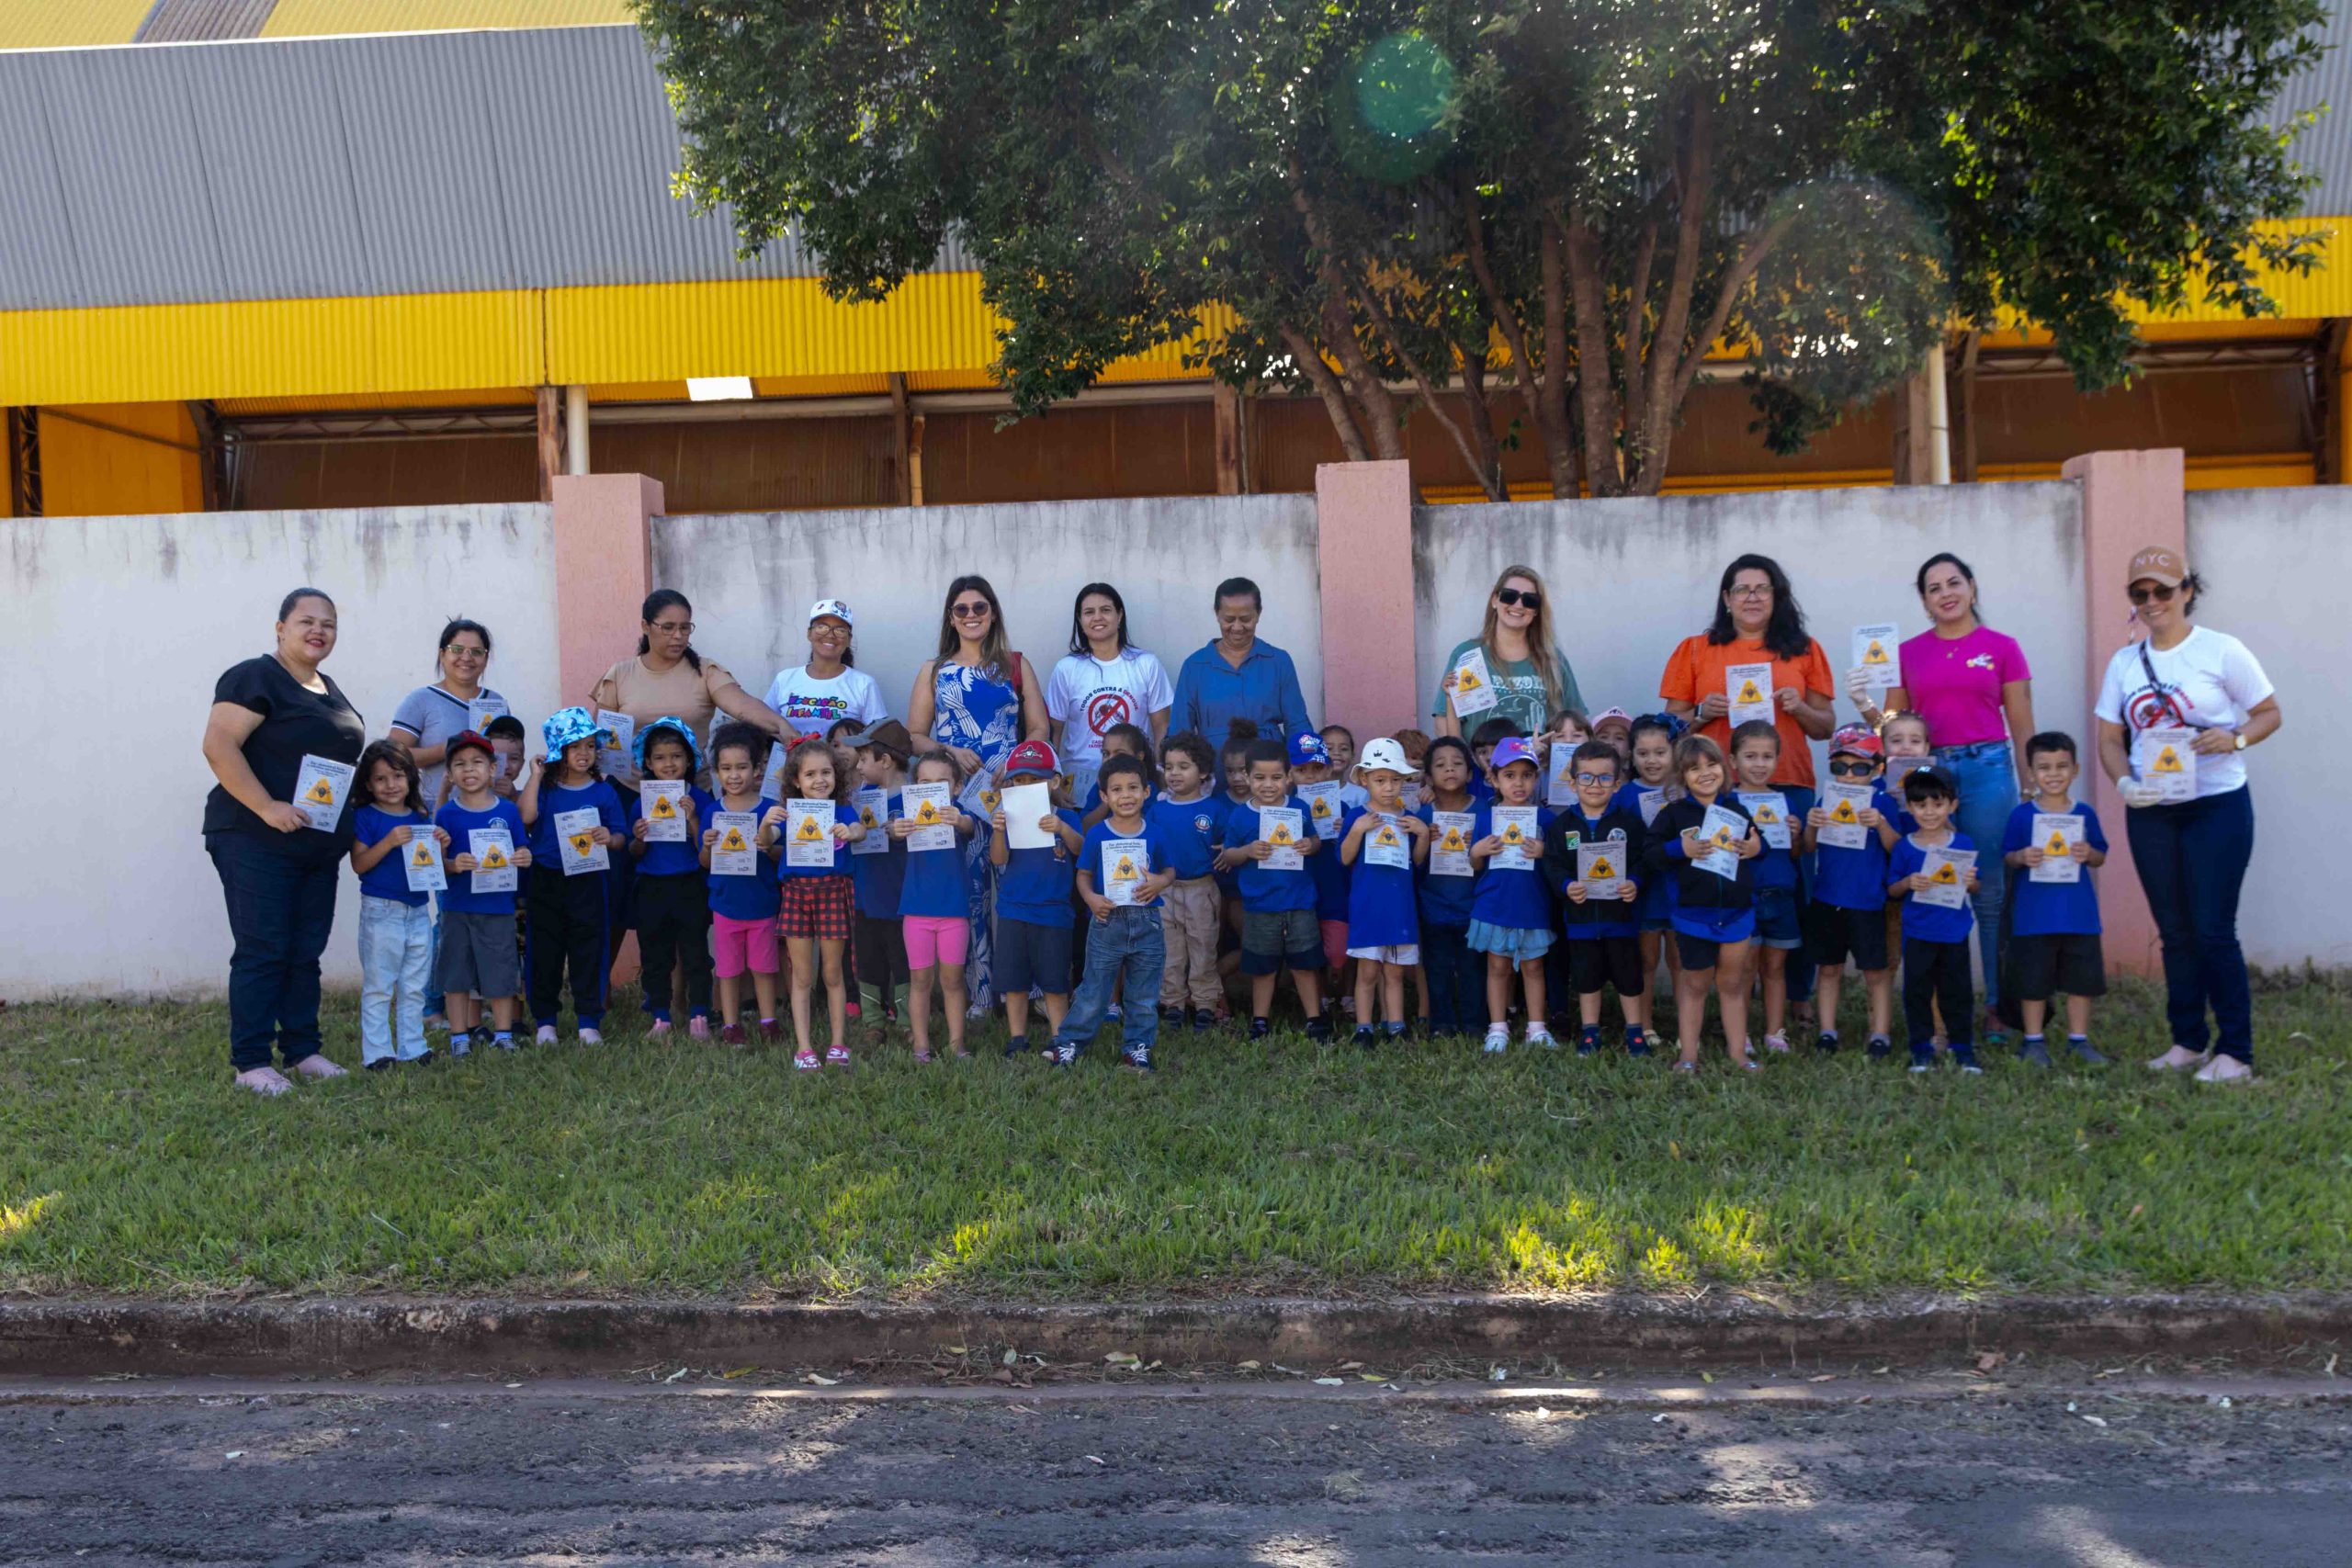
(277,871)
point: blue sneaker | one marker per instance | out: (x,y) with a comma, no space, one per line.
(1137,1057)
(1923,1058)
(1588,1040)
(1964,1058)
(1063,1055)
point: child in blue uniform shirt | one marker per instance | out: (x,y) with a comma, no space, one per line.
(879,876)
(1190,809)
(478,956)
(1935,939)
(395,925)
(1846,917)
(1382,842)
(1121,892)
(935,916)
(572,918)
(672,891)
(1032,893)
(742,908)
(1279,927)
(1457,976)
(2055,926)
(1510,912)
(1310,763)
(1649,750)
(1602,934)
(1779,924)
(1714,915)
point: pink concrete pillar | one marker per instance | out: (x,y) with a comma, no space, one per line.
(1364,514)
(2130,500)
(604,568)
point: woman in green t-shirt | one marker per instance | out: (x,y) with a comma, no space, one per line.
(1530,676)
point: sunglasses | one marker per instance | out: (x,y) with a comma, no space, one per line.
(1529,597)
(970,611)
(2156,591)
(1854,770)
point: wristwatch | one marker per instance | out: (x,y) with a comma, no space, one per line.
(2239,736)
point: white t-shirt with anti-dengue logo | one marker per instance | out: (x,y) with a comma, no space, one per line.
(814,706)
(2208,679)
(1087,695)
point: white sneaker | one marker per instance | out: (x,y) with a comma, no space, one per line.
(264,1081)
(592,1037)
(1538,1034)
(1498,1039)
(2223,1069)
(545,1036)
(2177,1057)
(318,1066)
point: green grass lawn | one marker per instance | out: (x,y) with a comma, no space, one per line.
(128,1164)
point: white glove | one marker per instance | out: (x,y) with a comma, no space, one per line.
(2138,792)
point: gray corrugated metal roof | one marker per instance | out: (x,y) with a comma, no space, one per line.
(2326,148)
(296,168)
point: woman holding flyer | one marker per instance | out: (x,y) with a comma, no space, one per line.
(1754,661)
(2175,710)
(427,718)
(1513,669)
(666,676)
(1973,687)
(284,744)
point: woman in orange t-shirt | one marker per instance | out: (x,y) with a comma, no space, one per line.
(1757,622)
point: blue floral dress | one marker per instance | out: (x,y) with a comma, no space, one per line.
(981,711)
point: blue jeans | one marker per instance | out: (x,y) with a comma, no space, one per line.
(1133,943)
(281,911)
(395,963)
(1986,775)
(2191,859)
(436,1004)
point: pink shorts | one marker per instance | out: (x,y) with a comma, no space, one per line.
(936,939)
(737,945)
(1335,942)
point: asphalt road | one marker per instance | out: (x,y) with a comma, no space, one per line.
(610,1473)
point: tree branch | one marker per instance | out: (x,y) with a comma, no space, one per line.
(1694,179)
(1309,359)
(1596,391)
(1338,330)
(1551,427)
(1489,478)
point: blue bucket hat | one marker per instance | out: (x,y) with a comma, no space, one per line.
(675,725)
(563,727)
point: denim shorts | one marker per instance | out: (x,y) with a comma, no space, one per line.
(1778,924)
(1274,939)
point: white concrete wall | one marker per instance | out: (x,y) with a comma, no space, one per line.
(1632,577)
(2274,562)
(116,631)
(752,577)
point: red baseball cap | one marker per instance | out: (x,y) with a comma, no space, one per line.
(1857,739)
(1032,757)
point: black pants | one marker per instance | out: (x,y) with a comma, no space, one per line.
(1605,961)
(281,910)
(570,928)
(1457,980)
(879,948)
(672,927)
(1937,972)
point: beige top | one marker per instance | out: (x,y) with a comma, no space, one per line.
(684,693)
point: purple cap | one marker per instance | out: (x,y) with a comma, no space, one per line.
(1509,750)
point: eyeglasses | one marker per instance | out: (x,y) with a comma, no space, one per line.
(1527,596)
(1749,590)
(1854,770)
(674,628)
(2160,592)
(1595,779)
(970,612)
(459,650)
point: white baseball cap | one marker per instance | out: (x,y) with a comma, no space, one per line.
(832,607)
(1386,754)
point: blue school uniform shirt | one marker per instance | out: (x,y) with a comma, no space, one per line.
(1332,876)
(388,878)
(1191,827)
(597,795)
(1035,886)
(1267,891)
(1515,900)
(460,898)
(753,898)
(1158,844)
(1228,882)
(1929,922)
(2045,909)
(878,880)
(662,857)
(935,884)
(1445,901)
(1855,879)
(1380,907)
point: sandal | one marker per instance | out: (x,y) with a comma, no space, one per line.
(1683,1066)
(2178,1058)
(2224,1069)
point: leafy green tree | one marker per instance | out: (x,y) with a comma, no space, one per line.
(1523,219)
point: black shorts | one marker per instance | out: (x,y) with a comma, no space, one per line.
(1596,962)
(2073,963)
(1028,955)
(1833,934)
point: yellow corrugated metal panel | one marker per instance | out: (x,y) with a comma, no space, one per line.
(772,327)
(70,23)
(319,18)
(368,402)
(95,465)
(270,348)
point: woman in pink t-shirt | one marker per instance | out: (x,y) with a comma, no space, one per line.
(1970,683)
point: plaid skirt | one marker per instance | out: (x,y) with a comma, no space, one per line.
(816,907)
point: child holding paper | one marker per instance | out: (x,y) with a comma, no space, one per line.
(574,817)
(665,819)
(878,876)
(1267,838)
(1707,842)
(814,896)
(395,919)
(1119,741)
(743,901)
(1780,926)
(1649,741)
(1125,863)
(1935,936)
(1190,812)
(1847,916)
(1033,890)
(478,956)
(2053,907)
(1511,913)
(1599,922)
(933,913)
(1310,780)
(1457,976)
(1381,843)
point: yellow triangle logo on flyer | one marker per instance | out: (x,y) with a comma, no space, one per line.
(866,817)
(1945,874)
(1387,838)
(1765,814)
(2167,762)
(579,844)
(807,832)
(1322,806)
(926,814)
(662,806)
(1280,835)
(1453,840)
(1466,681)
(1601,868)
(988,798)
(423,856)
(1876,654)
(1749,693)
(2057,845)
(495,860)
(1843,812)
(1512,836)
(323,792)
(1125,871)
(734,839)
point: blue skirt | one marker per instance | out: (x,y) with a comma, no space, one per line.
(1518,943)
(1705,923)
